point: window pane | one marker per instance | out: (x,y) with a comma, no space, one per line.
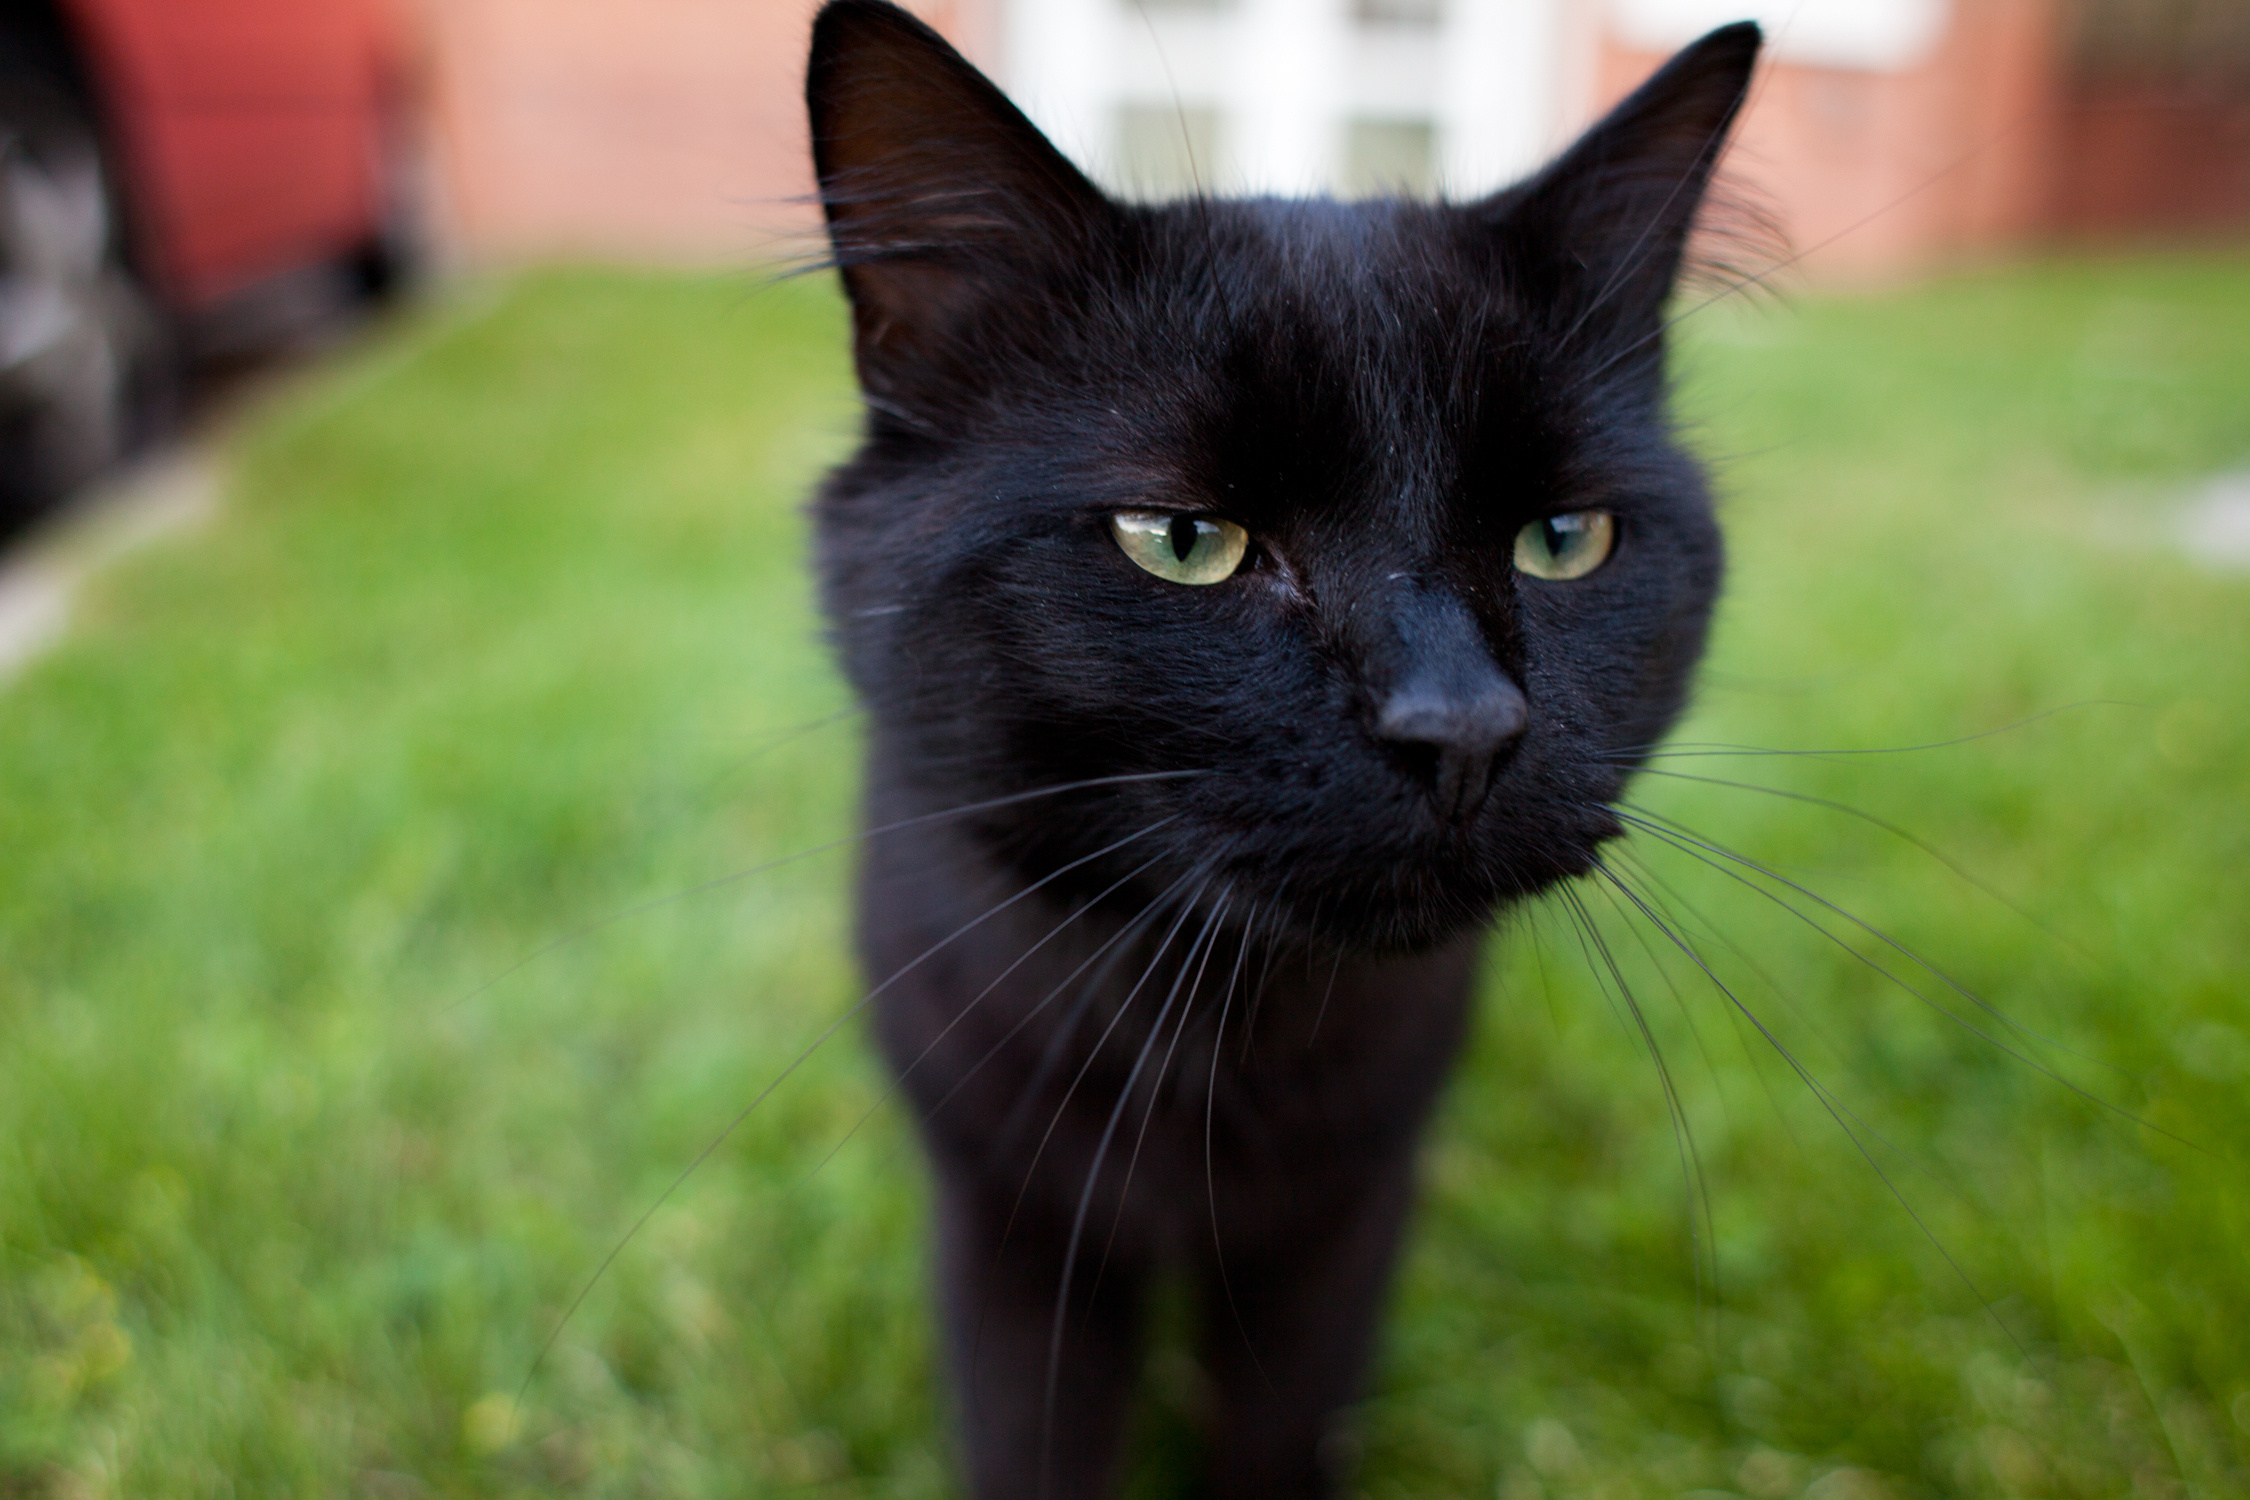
(1397,12)
(1390,156)
(1165,152)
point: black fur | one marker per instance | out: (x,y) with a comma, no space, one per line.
(1238,907)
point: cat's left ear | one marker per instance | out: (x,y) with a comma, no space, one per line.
(945,205)
(1596,239)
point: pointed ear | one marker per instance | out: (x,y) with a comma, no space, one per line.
(1601,231)
(942,199)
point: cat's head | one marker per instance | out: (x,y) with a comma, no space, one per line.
(1367,518)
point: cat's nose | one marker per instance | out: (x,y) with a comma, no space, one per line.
(1457,730)
(1439,700)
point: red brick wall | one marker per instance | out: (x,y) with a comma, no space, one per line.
(1875,174)
(2161,157)
(642,129)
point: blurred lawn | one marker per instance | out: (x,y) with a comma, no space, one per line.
(326,1078)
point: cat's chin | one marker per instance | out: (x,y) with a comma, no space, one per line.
(1377,926)
(1403,906)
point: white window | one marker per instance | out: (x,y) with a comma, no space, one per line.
(1157,97)
(1874,35)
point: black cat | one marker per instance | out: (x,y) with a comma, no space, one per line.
(1250,599)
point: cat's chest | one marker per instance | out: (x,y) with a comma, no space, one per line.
(1192,1057)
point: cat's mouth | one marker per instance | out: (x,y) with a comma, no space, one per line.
(1425,876)
(1420,904)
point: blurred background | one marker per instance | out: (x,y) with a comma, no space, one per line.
(190,182)
(425,799)
(673,130)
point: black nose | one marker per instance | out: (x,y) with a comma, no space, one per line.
(1439,699)
(1457,729)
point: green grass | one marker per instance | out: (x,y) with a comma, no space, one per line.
(351,1009)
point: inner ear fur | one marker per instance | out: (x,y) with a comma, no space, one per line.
(938,192)
(1602,230)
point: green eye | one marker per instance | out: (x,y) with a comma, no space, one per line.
(1181,549)
(1567,546)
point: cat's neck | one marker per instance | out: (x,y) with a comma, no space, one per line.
(1046,950)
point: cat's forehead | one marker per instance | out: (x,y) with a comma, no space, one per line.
(1386,314)
(1335,350)
(1356,281)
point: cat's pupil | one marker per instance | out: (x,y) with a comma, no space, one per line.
(1183,537)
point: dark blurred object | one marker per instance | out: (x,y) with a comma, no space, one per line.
(2156,120)
(171,171)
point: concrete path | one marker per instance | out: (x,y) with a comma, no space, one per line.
(2217,526)
(165,493)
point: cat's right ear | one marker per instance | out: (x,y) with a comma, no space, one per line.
(944,203)
(1600,233)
